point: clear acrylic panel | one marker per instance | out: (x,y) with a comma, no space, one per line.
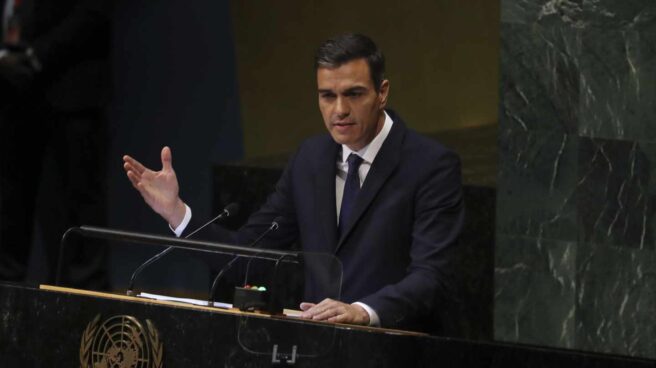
(302,277)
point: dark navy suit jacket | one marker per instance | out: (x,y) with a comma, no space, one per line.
(398,246)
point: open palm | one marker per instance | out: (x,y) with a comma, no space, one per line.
(159,189)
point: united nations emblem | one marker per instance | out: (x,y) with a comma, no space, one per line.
(120,342)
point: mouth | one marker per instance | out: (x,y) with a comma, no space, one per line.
(342,127)
(342,124)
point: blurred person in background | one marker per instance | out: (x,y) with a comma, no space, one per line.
(54,87)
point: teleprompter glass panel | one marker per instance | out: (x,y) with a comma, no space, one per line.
(292,279)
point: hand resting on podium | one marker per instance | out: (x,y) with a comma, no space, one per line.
(335,311)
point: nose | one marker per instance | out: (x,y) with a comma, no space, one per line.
(342,108)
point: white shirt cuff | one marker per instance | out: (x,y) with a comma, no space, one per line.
(374,321)
(183,225)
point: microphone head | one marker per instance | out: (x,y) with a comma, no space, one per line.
(231,209)
(275,224)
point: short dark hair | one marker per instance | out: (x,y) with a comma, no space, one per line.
(339,50)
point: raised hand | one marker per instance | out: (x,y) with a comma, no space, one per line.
(159,189)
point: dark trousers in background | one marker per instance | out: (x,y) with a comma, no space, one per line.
(76,194)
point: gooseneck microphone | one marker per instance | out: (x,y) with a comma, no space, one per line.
(274,226)
(229,210)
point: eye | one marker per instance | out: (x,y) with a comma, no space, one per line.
(354,94)
(327,95)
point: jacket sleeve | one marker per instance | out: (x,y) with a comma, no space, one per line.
(279,206)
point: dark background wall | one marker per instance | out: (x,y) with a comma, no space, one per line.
(174,77)
(442,59)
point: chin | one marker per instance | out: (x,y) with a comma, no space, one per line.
(340,139)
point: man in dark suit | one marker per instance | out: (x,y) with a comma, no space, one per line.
(385,200)
(54,86)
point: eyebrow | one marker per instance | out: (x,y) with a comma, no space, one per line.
(356,89)
(350,90)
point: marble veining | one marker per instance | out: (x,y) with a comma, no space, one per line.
(615,195)
(535,278)
(570,12)
(537,174)
(614,302)
(539,89)
(576,191)
(617,73)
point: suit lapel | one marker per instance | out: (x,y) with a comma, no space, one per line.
(383,166)
(324,178)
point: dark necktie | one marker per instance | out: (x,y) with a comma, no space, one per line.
(351,189)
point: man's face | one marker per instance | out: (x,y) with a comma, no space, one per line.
(351,107)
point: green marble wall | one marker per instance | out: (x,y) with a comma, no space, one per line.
(575,264)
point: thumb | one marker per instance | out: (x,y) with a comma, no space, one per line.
(167,159)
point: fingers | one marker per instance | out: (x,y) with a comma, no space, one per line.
(139,185)
(340,318)
(335,311)
(131,164)
(131,169)
(134,178)
(167,159)
(305,306)
(312,309)
(353,313)
(135,171)
(330,312)
(322,311)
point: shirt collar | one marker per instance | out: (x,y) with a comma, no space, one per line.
(368,153)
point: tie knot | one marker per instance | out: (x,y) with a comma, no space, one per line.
(354,161)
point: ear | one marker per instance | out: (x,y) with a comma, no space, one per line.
(383,92)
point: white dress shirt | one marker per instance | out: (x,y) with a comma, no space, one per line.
(368,154)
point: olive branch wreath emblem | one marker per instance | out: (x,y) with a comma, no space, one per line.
(91,332)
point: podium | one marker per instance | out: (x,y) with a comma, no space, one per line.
(60,327)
